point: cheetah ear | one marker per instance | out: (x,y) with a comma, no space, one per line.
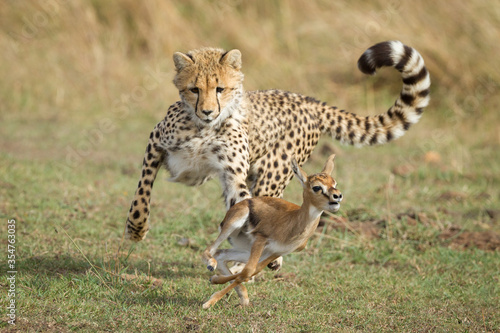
(328,168)
(297,170)
(232,58)
(182,61)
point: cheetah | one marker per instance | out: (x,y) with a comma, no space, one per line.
(247,139)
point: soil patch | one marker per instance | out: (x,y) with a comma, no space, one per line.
(463,239)
(368,229)
(454,237)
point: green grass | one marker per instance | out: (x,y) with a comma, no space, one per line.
(70,222)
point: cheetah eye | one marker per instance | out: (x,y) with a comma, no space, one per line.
(316,188)
(194,90)
(219,90)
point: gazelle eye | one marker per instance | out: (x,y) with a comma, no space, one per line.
(316,188)
(219,90)
(194,90)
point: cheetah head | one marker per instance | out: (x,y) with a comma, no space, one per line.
(210,83)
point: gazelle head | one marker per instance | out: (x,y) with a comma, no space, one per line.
(320,189)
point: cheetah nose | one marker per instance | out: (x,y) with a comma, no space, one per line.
(207,112)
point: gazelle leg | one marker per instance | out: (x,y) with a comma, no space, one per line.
(236,284)
(241,290)
(302,246)
(262,264)
(218,295)
(249,270)
(228,226)
(220,279)
(226,256)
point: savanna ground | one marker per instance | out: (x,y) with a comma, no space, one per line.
(416,244)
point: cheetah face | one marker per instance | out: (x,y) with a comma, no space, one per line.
(209,83)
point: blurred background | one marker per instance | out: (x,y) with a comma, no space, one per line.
(75,60)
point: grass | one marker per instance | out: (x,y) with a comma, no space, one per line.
(408,279)
(414,248)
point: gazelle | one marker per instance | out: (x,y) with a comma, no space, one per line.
(261,229)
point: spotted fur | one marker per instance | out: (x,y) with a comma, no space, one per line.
(247,139)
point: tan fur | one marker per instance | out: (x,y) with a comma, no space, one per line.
(264,228)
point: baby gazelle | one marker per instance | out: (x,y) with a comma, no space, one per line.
(262,229)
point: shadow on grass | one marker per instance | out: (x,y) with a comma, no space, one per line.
(53,265)
(141,285)
(161,299)
(64,264)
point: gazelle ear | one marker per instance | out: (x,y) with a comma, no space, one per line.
(182,61)
(232,58)
(328,168)
(297,170)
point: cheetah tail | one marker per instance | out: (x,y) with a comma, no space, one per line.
(407,109)
(138,217)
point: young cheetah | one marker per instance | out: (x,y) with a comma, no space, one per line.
(248,138)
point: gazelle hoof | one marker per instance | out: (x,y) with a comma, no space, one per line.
(213,279)
(275,265)
(212,264)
